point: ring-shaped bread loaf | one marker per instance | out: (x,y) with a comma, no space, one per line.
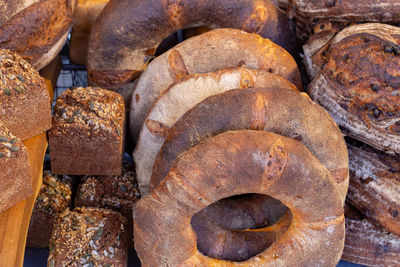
(211,51)
(281,111)
(235,163)
(175,101)
(360,84)
(127,33)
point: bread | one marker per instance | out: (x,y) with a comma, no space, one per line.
(359,84)
(182,96)
(9,8)
(54,197)
(38,31)
(24,99)
(258,109)
(87,137)
(373,185)
(86,12)
(15,175)
(117,192)
(368,243)
(117,56)
(271,163)
(88,236)
(211,51)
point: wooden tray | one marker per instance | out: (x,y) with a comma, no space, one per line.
(14,222)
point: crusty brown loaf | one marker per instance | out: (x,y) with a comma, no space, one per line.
(54,197)
(374,189)
(9,8)
(143,24)
(211,51)
(88,236)
(175,101)
(116,192)
(258,109)
(359,85)
(15,175)
(39,31)
(24,99)
(88,132)
(85,14)
(211,170)
(368,243)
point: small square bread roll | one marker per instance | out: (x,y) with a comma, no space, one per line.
(87,137)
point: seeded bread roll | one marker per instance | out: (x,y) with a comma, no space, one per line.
(24,99)
(38,31)
(87,134)
(88,237)
(360,84)
(117,192)
(54,197)
(15,175)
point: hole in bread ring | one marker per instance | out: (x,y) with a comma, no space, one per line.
(235,163)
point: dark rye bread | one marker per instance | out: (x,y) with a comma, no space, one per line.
(24,99)
(368,243)
(91,236)
(88,132)
(15,174)
(116,192)
(54,197)
(360,84)
(38,31)
(374,185)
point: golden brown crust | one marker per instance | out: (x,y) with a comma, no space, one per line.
(210,171)
(25,32)
(237,109)
(88,132)
(211,51)
(15,177)
(24,98)
(131,47)
(359,85)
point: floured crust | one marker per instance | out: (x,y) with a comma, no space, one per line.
(24,33)
(15,177)
(272,163)
(359,85)
(211,51)
(182,96)
(374,185)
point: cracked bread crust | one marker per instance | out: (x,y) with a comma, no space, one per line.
(88,236)
(24,99)
(88,132)
(15,177)
(54,197)
(360,85)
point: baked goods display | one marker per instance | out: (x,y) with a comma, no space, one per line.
(117,57)
(234,165)
(197,180)
(177,100)
(24,98)
(54,197)
(208,52)
(37,30)
(88,236)
(87,136)
(15,177)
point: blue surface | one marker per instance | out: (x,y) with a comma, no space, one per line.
(37,257)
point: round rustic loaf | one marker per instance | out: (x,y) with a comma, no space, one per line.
(211,51)
(215,169)
(360,84)
(126,35)
(281,111)
(182,96)
(37,30)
